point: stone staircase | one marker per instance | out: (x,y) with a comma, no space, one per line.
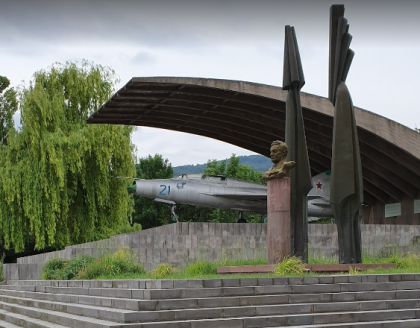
(324,301)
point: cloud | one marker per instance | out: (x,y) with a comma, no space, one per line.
(225,39)
(197,23)
(143,58)
(182,148)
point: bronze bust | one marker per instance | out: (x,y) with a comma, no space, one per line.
(281,168)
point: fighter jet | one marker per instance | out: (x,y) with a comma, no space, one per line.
(228,193)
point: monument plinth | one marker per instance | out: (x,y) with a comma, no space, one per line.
(279,244)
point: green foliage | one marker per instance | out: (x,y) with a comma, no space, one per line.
(56,180)
(163,270)
(290,265)
(257,162)
(53,269)
(1,270)
(87,267)
(323,260)
(154,168)
(123,261)
(8,106)
(354,270)
(59,269)
(201,268)
(408,260)
(233,169)
(123,265)
(147,212)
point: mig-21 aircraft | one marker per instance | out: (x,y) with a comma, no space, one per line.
(228,193)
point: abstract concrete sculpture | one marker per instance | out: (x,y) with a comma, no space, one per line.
(346,173)
(281,168)
(300,178)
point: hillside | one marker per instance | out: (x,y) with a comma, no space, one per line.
(258,162)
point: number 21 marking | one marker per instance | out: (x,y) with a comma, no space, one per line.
(163,190)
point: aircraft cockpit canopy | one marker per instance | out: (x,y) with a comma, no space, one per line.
(189,177)
(208,177)
(213,177)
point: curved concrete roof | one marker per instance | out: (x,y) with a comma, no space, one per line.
(251,116)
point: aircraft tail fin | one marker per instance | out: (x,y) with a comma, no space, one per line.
(321,186)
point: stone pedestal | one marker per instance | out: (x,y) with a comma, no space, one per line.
(278,220)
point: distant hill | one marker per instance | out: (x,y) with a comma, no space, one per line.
(258,162)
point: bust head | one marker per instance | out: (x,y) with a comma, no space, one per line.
(278,151)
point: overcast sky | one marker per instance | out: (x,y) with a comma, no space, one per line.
(237,40)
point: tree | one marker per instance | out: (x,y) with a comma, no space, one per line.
(147,212)
(233,169)
(8,106)
(56,185)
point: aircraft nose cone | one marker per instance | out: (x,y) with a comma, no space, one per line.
(132,187)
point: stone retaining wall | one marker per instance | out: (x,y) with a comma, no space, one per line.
(184,242)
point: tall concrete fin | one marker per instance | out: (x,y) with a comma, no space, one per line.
(336,12)
(301,181)
(346,190)
(292,68)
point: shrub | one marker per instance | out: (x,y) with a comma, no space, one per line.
(201,268)
(408,260)
(87,267)
(121,262)
(1,271)
(53,269)
(354,270)
(290,265)
(59,269)
(77,264)
(91,271)
(163,270)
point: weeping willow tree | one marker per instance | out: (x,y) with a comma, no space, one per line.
(8,106)
(56,185)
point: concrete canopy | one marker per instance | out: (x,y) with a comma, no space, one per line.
(251,116)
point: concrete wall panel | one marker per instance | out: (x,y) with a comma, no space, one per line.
(183,243)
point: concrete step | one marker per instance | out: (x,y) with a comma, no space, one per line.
(180,293)
(122,316)
(225,282)
(303,320)
(319,320)
(353,301)
(15,320)
(413,323)
(194,303)
(60,319)
(92,311)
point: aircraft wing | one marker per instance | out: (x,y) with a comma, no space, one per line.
(166,201)
(311,197)
(321,203)
(241,195)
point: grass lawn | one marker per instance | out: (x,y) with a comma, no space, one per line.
(123,265)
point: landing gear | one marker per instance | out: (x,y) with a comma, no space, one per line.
(263,218)
(174,216)
(241,218)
